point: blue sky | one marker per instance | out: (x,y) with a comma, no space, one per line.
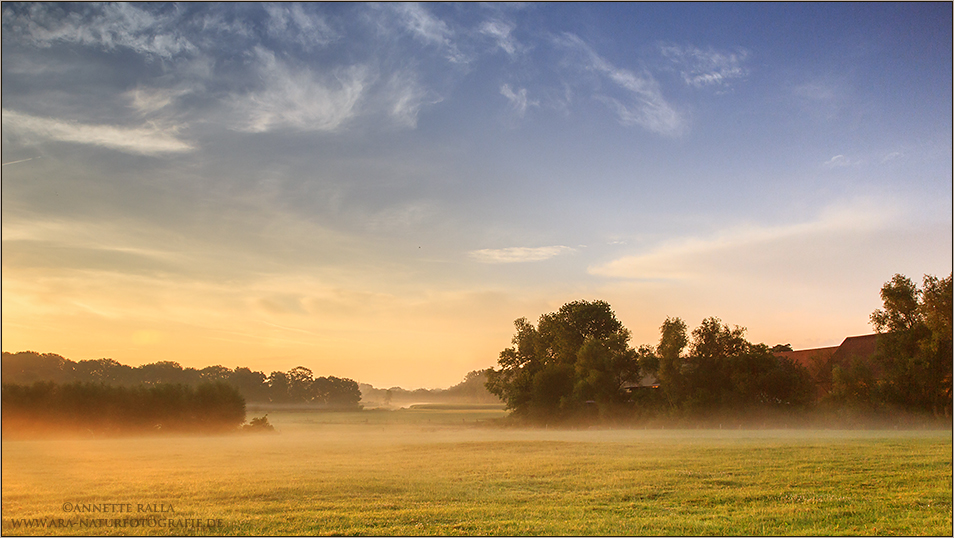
(378,191)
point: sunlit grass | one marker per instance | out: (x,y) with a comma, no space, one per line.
(440,472)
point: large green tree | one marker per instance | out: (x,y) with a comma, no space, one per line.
(575,359)
(914,343)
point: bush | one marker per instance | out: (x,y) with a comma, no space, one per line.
(259,425)
(105,409)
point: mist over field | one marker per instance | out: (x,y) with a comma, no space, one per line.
(375,191)
(443,472)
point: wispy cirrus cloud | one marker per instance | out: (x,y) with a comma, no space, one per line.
(839,161)
(148,101)
(150,139)
(642,104)
(843,161)
(301,98)
(518,100)
(298,99)
(404,96)
(702,68)
(500,31)
(429,30)
(291,22)
(519,254)
(112,25)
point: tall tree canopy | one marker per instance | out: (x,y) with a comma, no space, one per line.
(575,359)
(914,346)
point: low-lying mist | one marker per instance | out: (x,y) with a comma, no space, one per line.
(470,471)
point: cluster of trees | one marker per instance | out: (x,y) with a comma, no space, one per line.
(577,363)
(110,409)
(911,369)
(718,369)
(298,385)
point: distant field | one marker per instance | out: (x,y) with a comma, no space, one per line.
(447,471)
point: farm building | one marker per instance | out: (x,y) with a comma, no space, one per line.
(819,361)
(853,347)
(647,381)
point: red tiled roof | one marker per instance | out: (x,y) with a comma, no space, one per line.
(859,347)
(805,357)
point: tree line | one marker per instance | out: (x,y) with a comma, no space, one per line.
(577,363)
(113,409)
(297,386)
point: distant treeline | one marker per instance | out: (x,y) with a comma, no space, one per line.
(296,386)
(577,364)
(472,390)
(94,408)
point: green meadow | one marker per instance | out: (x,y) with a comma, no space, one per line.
(454,471)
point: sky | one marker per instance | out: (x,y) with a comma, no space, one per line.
(377,191)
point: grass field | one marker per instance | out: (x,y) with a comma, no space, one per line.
(440,471)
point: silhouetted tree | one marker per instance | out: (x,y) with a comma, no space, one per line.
(106,371)
(167,372)
(575,357)
(513,383)
(715,351)
(300,380)
(336,393)
(278,387)
(251,384)
(673,339)
(914,346)
(30,367)
(215,374)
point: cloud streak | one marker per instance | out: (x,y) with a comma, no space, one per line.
(518,100)
(110,26)
(429,30)
(404,97)
(20,161)
(295,98)
(703,68)
(643,103)
(519,254)
(291,22)
(756,249)
(500,32)
(839,161)
(150,139)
